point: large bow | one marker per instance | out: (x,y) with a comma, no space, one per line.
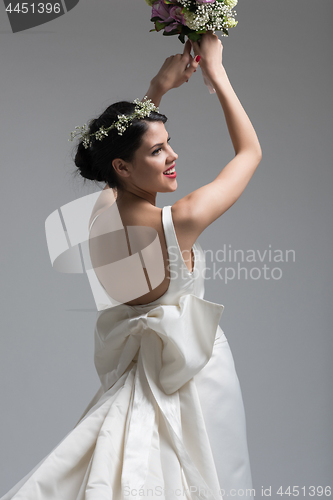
(166,345)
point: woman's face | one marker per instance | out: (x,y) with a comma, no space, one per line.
(154,156)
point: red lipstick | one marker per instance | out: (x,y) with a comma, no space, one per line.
(173,174)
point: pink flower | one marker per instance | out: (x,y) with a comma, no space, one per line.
(176,14)
(168,13)
(162,11)
(171,27)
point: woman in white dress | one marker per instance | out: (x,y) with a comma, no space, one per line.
(168,420)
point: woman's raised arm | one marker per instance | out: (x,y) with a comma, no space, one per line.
(203,206)
(175,71)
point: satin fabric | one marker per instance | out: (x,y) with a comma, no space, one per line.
(168,420)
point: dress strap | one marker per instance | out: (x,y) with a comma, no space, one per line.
(172,241)
(169,229)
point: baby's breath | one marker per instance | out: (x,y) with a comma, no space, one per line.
(209,16)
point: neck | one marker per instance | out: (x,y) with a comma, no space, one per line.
(133,196)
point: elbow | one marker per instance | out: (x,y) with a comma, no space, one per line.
(258,152)
(256,159)
(254,154)
(258,155)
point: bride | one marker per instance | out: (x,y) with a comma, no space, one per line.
(143,163)
(168,419)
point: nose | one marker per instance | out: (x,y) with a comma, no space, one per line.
(173,154)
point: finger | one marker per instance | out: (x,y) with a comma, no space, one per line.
(187,47)
(191,64)
(191,68)
(187,51)
(189,71)
(196,48)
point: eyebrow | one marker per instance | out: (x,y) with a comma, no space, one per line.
(160,143)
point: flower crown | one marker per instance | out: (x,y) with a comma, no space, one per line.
(142,109)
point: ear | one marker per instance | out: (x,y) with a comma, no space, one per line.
(121,167)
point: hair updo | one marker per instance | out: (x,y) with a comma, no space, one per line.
(95,162)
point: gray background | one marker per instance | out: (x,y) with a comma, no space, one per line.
(63,73)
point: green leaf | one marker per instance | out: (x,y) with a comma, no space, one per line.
(186,30)
(170,33)
(181,37)
(194,36)
(159,26)
(151,30)
(225,31)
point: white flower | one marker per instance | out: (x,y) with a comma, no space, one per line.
(231,3)
(189,18)
(231,22)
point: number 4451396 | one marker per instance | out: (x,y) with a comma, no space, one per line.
(303,491)
(32,8)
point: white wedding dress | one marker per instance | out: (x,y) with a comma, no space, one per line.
(168,420)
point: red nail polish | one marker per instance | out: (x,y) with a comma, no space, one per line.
(198,58)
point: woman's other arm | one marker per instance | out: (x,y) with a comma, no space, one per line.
(175,71)
(203,206)
(155,93)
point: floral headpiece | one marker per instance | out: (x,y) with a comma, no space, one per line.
(142,109)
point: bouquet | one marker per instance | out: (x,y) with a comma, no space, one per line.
(193,18)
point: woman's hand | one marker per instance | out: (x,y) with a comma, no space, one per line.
(176,70)
(210,49)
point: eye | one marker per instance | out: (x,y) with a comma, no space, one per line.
(160,148)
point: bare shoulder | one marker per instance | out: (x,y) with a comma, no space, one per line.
(182,216)
(184,221)
(146,215)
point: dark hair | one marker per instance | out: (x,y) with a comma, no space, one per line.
(95,162)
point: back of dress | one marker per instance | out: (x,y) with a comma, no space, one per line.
(168,416)
(129,268)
